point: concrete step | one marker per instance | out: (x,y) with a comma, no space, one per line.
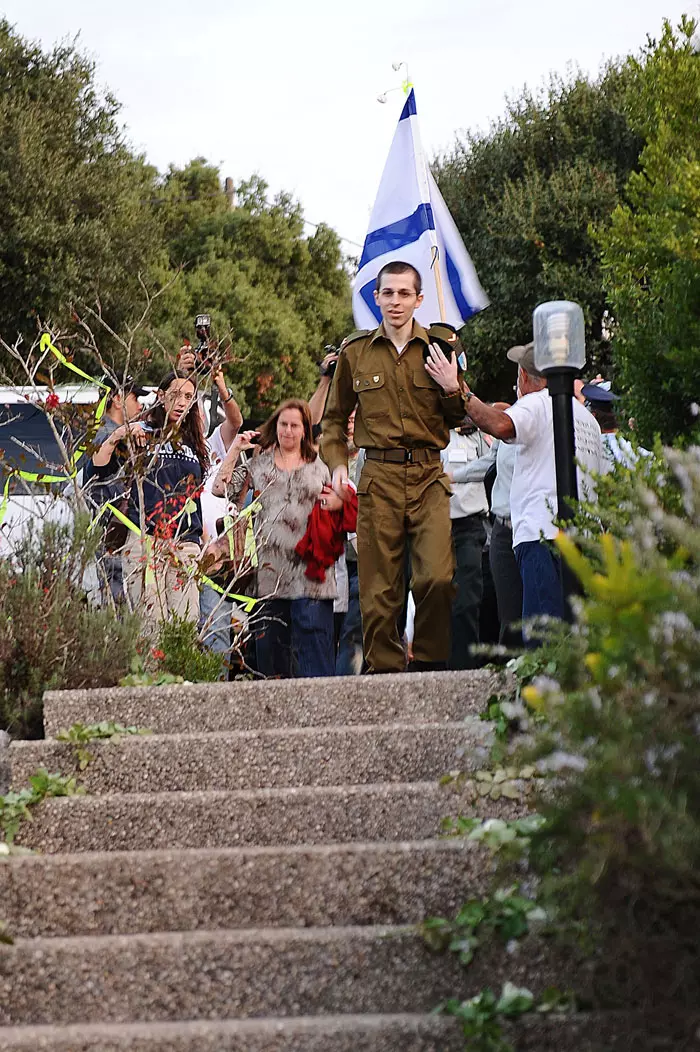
(256,705)
(149,891)
(263,817)
(225,974)
(232,760)
(326,1033)
(350,1033)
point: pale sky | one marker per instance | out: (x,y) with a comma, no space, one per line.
(289,89)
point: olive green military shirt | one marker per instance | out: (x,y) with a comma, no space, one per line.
(398,403)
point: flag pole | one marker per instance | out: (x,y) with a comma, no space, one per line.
(438,283)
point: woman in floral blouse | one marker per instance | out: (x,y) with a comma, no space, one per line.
(295,636)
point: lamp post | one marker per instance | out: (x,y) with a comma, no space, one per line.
(560,352)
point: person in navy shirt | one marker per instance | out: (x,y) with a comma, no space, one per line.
(164,458)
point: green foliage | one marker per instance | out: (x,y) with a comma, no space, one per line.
(493,713)
(15,807)
(184,655)
(651,249)
(81,734)
(51,636)
(496,833)
(73,223)
(524,194)
(505,914)
(275,296)
(481,1017)
(619,851)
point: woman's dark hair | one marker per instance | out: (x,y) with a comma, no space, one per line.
(190,426)
(268,431)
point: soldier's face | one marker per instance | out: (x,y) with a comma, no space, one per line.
(397,298)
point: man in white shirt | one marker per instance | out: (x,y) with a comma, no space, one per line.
(468,510)
(533,496)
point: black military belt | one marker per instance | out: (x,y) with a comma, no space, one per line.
(404,456)
(504,522)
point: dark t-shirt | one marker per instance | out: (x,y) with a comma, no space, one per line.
(171,490)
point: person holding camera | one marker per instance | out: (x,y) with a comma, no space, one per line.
(408,395)
(317,402)
(191,363)
(296,636)
(166,459)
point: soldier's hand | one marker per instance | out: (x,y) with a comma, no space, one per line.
(340,483)
(442,369)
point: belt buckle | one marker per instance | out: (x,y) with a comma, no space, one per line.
(409,456)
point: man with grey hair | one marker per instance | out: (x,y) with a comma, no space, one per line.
(533,497)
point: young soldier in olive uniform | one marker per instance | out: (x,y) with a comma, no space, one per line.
(406,406)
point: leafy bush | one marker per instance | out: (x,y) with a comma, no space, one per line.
(180,652)
(610,710)
(619,851)
(51,636)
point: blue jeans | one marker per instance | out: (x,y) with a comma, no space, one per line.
(349,659)
(540,572)
(296,638)
(218,633)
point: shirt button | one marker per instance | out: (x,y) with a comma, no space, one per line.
(400,388)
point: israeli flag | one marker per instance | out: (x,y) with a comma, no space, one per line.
(411,222)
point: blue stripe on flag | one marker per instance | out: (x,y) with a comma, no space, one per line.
(397,235)
(367,293)
(453,276)
(409,109)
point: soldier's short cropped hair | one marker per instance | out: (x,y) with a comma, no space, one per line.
(398,267)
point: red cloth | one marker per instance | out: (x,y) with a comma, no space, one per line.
(324,540)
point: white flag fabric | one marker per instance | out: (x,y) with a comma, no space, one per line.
(410,221)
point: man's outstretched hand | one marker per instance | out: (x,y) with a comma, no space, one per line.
(443,370)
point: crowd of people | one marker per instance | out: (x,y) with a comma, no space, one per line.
(394,522)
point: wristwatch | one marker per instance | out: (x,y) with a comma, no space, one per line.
(230,396)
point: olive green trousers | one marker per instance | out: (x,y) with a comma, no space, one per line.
(400,506)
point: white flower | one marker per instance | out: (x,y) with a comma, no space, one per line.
(560,761)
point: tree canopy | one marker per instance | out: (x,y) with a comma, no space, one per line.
(651,248)
(73,221)
(524,194)
(86,221)
(275,294)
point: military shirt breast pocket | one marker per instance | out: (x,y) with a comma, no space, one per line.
(368,388)
(426,391)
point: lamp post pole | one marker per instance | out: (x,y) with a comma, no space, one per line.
(560,383)
(560,352)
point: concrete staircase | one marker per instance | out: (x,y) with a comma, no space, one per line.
(247,877)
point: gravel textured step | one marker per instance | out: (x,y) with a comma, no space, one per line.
(224,974)
(351,1033)
(352,755)
(345,1033)
(255,705)
(122,892)
(326,815)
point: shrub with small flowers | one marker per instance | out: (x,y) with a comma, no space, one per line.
(608,712)
(617,723)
